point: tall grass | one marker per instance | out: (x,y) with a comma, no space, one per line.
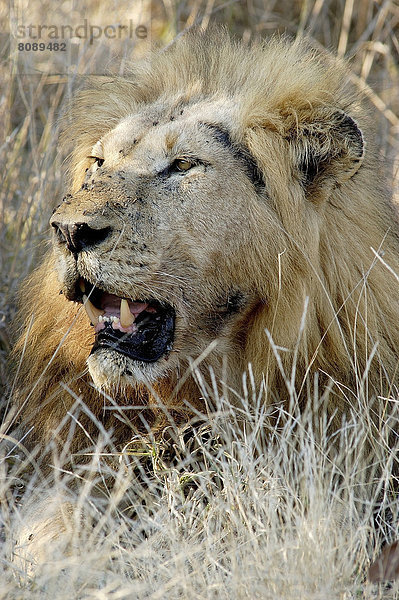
(227,508)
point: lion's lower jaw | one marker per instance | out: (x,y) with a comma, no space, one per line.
(110,370)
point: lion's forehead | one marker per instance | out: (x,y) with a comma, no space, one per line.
(162,126)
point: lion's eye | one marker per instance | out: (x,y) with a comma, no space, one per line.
(97,154)
(183,164)
(97,161)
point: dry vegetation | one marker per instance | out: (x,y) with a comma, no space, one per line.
(232,512)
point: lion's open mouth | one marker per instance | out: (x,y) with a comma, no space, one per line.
(141,330)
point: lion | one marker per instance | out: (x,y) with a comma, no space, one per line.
(225,212)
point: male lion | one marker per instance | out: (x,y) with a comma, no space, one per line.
(225,208)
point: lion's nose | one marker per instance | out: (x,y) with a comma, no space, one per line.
(79,236)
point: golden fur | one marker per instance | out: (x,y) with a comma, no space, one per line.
(296,242)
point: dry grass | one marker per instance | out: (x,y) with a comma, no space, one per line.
(233,514)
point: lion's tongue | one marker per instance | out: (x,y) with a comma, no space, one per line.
(121,313)
(111,305)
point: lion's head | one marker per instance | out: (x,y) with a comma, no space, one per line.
(222,211)
(152,239)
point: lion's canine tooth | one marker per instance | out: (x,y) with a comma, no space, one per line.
(126,318)
(93,312)
(82,286)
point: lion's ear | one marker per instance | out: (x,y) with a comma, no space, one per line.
(328,144)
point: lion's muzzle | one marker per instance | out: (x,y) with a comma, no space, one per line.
(141,329)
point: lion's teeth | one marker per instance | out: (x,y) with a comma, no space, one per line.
(82,286)
(93,312)
(126,317)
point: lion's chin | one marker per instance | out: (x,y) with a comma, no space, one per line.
(112,370)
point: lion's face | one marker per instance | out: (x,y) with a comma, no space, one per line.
(152,243)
